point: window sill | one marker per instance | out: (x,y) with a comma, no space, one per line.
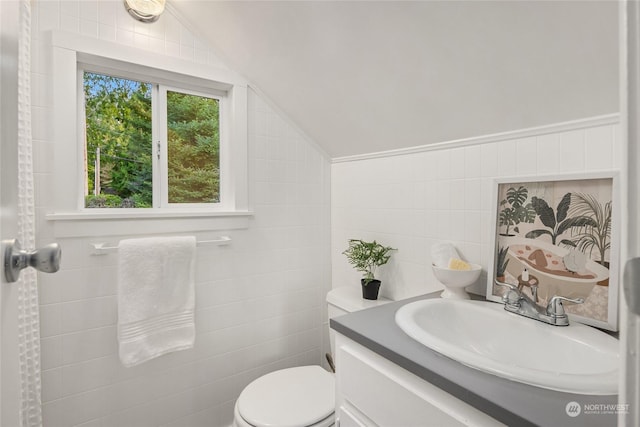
(107,223)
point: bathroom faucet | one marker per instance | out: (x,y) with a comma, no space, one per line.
(519,303)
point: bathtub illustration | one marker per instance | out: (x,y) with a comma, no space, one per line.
(545,262)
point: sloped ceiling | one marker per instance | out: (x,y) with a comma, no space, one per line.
(362,77)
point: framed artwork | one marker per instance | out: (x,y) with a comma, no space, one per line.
(559,235)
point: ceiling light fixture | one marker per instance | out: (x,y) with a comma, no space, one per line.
(145,10)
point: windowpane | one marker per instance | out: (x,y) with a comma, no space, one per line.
(193,133)
(118,142)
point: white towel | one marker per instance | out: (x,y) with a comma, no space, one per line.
(441,253)
(156,297)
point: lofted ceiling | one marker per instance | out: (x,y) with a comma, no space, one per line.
(363,76)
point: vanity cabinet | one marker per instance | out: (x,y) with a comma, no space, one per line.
(373,391)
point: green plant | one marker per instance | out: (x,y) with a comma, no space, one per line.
(367,256)
(556,222)
(502,261)
(515,210)
(596,232)
(140,201)
(102,201)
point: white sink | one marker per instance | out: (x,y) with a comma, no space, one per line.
(575,358)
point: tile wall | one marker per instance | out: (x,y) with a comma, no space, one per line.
(412,201)
(260,301)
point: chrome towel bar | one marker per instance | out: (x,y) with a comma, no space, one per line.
(103,248)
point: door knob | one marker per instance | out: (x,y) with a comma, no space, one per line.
(45,259)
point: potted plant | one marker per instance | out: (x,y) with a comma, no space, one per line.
(366,257)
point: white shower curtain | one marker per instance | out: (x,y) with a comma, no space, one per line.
(28,307)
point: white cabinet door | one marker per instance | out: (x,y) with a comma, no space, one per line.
(391,396)
(349,419)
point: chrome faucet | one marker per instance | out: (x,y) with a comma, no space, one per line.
(517,302)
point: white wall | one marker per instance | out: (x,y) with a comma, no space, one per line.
(260,301)
(412,201)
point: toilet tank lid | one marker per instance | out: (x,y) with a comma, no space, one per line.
(292,397)
(349,299)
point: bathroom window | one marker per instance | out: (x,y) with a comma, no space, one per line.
(145,143)
(149,145)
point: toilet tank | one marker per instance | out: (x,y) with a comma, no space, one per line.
(348,299)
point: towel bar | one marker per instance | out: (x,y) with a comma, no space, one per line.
(102,248)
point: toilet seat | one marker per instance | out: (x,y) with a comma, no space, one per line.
(294,397)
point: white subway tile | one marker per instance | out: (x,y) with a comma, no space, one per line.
(92,423)
(124,36)
(572,151)
(457,162)
(55,413)
(89,10)
(186,37)
(187,52)
(473,227)
(473,194)
(50,320)
(443,164)
(51,384)
(472,162)
(48,291)
(172,49)
(489,159)
(51,352)
(89,344)
(107,32)
(429,165)
(430,224)
(444,224)
(70,8)
(419,197)
(139,416)
(48,16)
(507,158)
(548,153)
(84,376)
(443,195)
(89,313)
(619,152)
(141,41)
(457,194)
(124,21)
(526,153)
(107,13)
(89,28)
(599,145)
(457,226)
(142,28)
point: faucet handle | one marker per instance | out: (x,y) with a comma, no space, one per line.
(555,308)
(508,285)
(512,296)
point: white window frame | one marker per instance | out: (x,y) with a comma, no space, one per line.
(70,55)
(162,176)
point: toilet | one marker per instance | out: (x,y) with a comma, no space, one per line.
(303,396)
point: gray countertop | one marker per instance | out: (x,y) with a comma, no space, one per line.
(512,403)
